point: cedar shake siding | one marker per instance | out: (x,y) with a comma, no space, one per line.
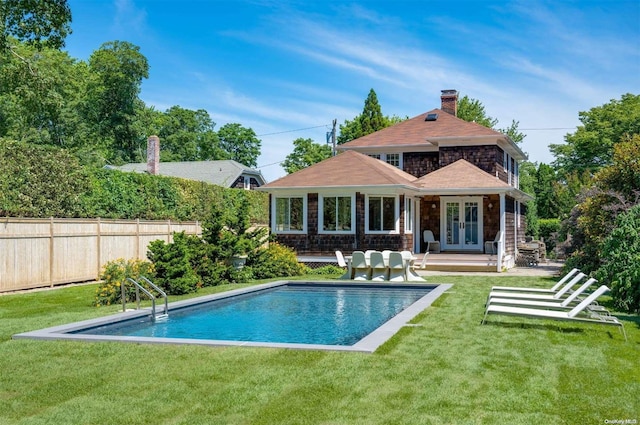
(487,158)
(420,163)
(313,243)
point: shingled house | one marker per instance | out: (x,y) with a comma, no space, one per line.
(225,173)
(383,191)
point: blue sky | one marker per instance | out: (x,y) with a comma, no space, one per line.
(282,66)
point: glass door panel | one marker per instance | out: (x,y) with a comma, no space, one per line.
(461,222)
(452,223)
(471,225)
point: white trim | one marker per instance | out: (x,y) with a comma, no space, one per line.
(461,201)
(409,218)
(321,197)
(384,157)
(274,216)
(396,203)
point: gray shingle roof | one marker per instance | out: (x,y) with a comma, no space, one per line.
(221,173)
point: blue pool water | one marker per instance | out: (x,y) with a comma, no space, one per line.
(292,313)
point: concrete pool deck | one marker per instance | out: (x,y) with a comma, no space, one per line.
(367,344)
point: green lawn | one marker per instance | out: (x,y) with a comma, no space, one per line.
(446,370)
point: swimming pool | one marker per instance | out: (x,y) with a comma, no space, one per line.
(313,315)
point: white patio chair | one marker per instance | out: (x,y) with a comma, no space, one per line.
(431,241)
(343,263)
(379,269)
(359,267)
(397,268)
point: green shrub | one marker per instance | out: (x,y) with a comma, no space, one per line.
(548,231)
(117,271)
(172,262)
(40,181)
(327,270)
(621,258)
(275,261)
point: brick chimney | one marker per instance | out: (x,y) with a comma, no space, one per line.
(153,155)
(449,99)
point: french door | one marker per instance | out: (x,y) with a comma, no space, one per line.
(461,223)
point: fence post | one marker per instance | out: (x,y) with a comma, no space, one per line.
(51,249)
(138,238)
(98,248)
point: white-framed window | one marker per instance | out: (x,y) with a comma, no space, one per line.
(516,176)
(394,159)
(289,214)
(247,182)
(336,214)
(382,214)
(408,215)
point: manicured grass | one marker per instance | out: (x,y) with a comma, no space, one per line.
(445,370)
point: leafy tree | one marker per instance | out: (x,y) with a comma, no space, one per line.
(41,23)
(187,135)
(528,184)
(39,97)
(239,144)
(305,153)
(590,148)
(615,190)
(621,268)
(546,199)
(513,132)
(472,110)
(118,68)
(369,121)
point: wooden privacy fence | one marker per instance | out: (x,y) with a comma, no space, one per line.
(46,252)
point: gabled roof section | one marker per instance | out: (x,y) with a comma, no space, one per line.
(462,177)
(221,173)
(345,169)
(421,134)
(418,131)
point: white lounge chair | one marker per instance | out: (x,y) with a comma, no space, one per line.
(566,304)
(576,314)
(397,269)
(537,296)
(430,241)
(378,268)
(359,266)
(343,263)
(553,289)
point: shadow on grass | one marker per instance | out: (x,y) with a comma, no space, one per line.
(539,326)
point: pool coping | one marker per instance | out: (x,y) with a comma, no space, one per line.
(368,344)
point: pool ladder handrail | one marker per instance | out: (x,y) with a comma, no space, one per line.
(139,288)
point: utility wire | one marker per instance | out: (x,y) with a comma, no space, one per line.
(291,131)
(551,128)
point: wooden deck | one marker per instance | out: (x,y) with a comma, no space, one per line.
(451,262)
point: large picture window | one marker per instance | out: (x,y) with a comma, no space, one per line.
(289,214)
(382,214)
(337,214)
